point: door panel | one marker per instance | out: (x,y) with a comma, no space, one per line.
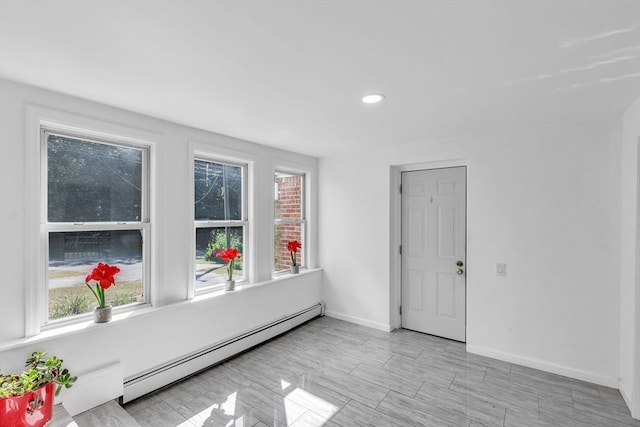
(446,232)
(445,295)
(434,241)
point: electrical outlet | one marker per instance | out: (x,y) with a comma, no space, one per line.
(501,269)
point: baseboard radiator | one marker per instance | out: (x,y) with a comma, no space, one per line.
(160,376)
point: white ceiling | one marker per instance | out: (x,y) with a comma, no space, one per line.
(290,73)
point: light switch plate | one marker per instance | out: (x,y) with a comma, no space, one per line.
(501,269)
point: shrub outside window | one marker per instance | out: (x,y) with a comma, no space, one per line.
(96,210)
(220,220)
(290,220)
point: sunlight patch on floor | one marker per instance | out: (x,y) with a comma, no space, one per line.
(312,402)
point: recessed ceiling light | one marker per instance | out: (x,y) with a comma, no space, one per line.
(372,98)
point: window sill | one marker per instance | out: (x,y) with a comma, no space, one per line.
(51,332)
(63,330)
(248,286)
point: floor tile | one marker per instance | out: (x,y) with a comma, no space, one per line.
(391,379)
(385,344)
(314,397)
(158,414)
(524,403)
(415,412)
(424,372)
(353,387)
(108,415)
(474,407)
(355,414)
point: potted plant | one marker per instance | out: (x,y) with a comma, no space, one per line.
(103,275)
(229,256)
(293,247)
(26,400)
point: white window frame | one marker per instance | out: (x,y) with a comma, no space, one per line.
(303,221)
(46,227)
(244,222)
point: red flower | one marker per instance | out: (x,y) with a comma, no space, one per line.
(293,246)
(229,254)
(103,273)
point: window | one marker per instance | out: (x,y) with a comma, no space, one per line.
(290,222)
(220,220)
(96,210)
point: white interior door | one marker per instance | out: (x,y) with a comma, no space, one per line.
(434,252)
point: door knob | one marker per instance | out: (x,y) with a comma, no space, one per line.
(459,263)
(460,271)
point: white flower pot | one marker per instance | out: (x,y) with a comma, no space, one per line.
(102,315)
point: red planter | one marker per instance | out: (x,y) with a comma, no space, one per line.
(33,409)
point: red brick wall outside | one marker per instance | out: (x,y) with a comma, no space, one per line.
(287,207)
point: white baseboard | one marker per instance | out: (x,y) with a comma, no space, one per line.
(94,388)
(545,366)
(359,321)
(625,394)
(630,398)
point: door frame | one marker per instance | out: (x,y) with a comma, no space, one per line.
(395,234)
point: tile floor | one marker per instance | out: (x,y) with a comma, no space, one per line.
(332,373)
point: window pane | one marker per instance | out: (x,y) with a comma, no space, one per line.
(218,191)
(284,233)
(288,196)
(92,182)
(72,256)
(210,241)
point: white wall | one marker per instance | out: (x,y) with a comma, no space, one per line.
(629,260)
(143,341)
(545,201)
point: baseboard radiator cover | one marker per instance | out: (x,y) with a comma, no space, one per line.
(93,388)
(170,372)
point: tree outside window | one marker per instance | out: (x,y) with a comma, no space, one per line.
(219,214)
(96,201)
